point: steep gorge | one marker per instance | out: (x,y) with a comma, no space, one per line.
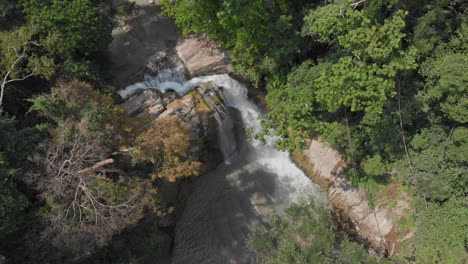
(255,180)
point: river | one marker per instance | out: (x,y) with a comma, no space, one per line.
(255,180)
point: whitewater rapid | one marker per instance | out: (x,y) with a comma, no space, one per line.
(229,202)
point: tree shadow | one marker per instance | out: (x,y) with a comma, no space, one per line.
(144,34)
(224,208)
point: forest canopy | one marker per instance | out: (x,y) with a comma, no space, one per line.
(385,82)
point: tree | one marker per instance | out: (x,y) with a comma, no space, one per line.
(260,35)
(446,82)
(79,102)
(88,197)
(305,235)
(81,32)
(440,234)
(15,150)
(20,58)
(166,145)
(358,77)
(438,171)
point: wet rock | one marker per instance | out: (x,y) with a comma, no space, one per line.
(213,97)
(203,88)
(168,97)
(143,103)
(156,61)
(202,56)
(190,110)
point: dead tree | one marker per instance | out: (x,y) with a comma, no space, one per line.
(84,204)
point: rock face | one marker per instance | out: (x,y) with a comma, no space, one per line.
(143,103)
(375,226)
(213,97)
(193,110)
(202,56)
(187,109)
(155,61)
(194,113)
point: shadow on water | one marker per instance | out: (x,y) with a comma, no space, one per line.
(225,206)
(229,202)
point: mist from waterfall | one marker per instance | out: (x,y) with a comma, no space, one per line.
(255,181)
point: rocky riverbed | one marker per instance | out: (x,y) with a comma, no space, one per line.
(148,44)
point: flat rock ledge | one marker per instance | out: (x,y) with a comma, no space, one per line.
(202,56)
(144,102)
(376,227)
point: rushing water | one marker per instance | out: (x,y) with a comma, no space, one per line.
(227,203)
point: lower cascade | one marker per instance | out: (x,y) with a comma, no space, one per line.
(254,182)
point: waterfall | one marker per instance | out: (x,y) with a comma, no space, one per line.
(172,78)
(227,203)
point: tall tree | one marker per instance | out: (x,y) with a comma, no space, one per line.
(81,32)
(446,87)
(157,145)
(15,154)
(88,198)
(358,77)
(20,58)
(305,235)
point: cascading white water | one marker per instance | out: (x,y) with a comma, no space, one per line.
(226,204)
(173,78)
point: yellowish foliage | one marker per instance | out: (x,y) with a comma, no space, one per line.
(114,122)
(166,144)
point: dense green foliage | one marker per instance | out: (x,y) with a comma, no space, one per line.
(387,87)
(79,33)
(14,153)
(358,77)
(21,58)
(385,82)
(441,233)
(305,235)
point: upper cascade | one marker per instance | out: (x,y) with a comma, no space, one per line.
(255,181)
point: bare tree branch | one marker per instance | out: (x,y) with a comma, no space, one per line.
(356,4)
(85,204)
(97,165)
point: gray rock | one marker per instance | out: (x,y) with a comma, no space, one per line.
(213,97)
(155,61)
(202,56)
(205,87)
(143,103)
(168,97)
(377,226)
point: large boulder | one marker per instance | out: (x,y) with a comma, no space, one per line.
(377,225)
(144,102)
(213,97)
(157,60)
(202,56)
(192,112)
